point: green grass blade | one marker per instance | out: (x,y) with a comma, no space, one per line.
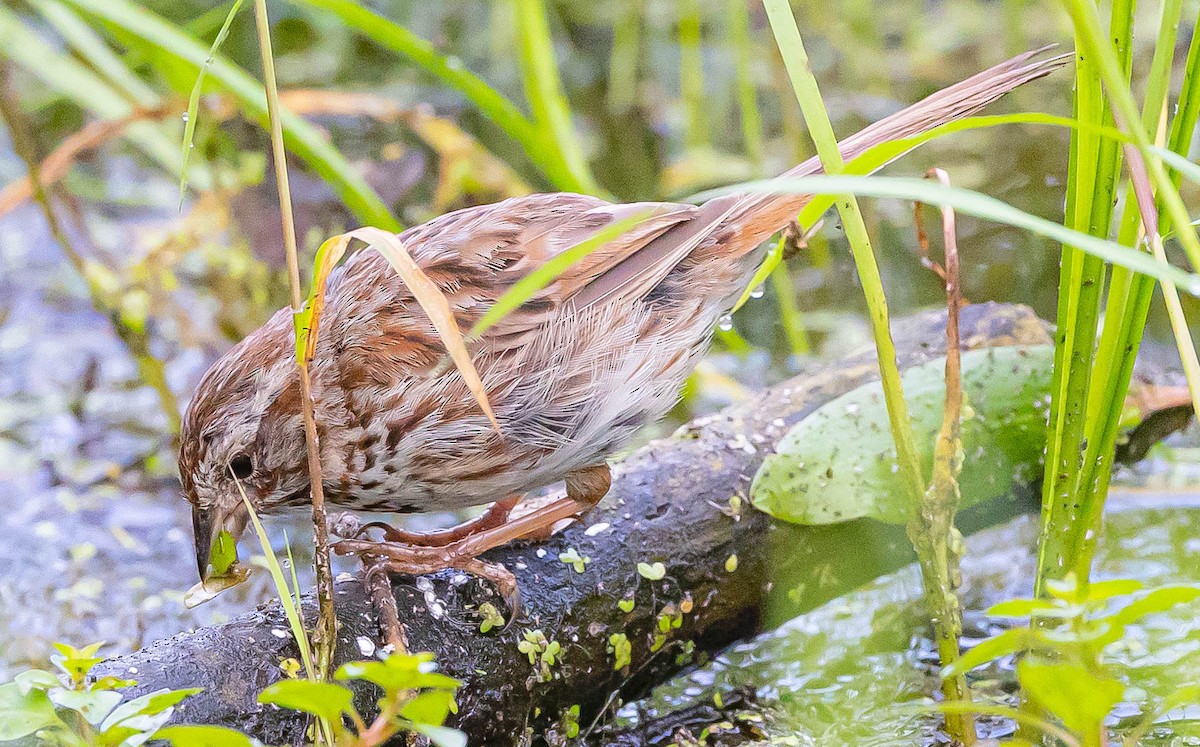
(193,107)
(551,113)
(61,73)
(290,609)
(970,203)
(1083,15)
(492,104)
(304,140)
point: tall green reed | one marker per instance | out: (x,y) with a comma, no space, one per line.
(930,527)
(1093,365)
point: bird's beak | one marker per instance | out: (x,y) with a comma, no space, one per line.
(216,531)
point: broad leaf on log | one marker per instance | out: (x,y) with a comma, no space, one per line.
(839,462)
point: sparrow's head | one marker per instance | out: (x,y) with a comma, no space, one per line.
(243,433)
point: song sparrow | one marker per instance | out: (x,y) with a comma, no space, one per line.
(572,374)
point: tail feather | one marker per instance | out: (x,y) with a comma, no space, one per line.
(733,226)
(763,214)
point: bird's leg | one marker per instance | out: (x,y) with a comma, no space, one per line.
(495,515)
(585,488)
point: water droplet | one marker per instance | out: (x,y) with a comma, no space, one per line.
(758,292)
(725,323)
(185,116)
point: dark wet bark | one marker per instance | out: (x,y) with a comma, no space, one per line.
(669,503)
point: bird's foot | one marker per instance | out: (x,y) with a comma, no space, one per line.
(417,560)
(460,547)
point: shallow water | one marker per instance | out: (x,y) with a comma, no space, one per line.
(854,670)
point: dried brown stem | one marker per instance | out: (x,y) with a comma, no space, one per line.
(325,633)
(932,530)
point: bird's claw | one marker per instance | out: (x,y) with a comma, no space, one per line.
(415,560)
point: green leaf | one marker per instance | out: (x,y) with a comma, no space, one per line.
(36,679)
(430,707)
(223,554)
(93,705)
(1009,642)
(149,704)
(1019,607)
(1098,591)
(1079,699)
(839,463)
(396,673)
(491,617)
(652,571)
(322,699)
(1159,600)
(442,736)
(108,682)
(622,650)
(204,736)
(23,713)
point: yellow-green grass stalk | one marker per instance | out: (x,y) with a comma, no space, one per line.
(551,112)
(325,631)
(937,573)
(691,75)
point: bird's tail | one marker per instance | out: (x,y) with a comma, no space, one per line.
(762,214)
(714,251)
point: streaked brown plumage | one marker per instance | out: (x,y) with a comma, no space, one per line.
(571,375)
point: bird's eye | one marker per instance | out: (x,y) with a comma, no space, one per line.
(242,467)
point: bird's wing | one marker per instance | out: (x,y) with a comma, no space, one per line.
(477,254)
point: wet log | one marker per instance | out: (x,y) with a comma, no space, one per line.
(728,573)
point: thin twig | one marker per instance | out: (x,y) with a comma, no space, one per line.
(325,633)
